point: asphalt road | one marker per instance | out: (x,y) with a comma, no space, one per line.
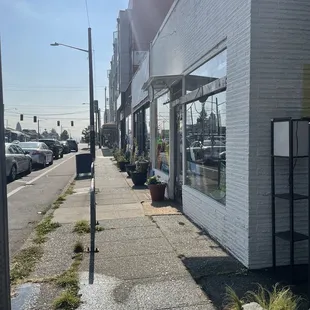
(30,195)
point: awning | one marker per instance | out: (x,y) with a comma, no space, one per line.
(160,82)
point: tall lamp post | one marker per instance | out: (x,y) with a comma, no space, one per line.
(91,89)
(5,293)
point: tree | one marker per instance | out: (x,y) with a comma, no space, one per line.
(53,134)
(64,135)
(86,134)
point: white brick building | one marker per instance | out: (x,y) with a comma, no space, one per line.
(267,50)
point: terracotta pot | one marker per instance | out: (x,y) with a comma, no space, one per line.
(138,178)
(122,165)
(157,191)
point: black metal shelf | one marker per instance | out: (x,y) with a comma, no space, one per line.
(279,156)
(291,236)
(287,196)
(286,235)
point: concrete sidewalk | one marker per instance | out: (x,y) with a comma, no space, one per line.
(150,255)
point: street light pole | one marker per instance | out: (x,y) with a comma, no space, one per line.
(5,299)
(91,90)
(91,97)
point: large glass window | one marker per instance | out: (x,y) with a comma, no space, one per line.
(163,125)
(147,131)
(213,69)
(206,146)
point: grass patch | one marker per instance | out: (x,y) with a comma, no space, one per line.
(24,262)
(62,198)
(69,280)
(67,300)
(277,299)
(83,227)
(43,228)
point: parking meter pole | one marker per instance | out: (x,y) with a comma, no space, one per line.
(5,300)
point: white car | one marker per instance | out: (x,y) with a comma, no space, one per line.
(40,153)
(17,161)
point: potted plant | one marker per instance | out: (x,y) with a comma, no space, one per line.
(143,163)
(139,176)
(134,157)
(157,188)
(122,161)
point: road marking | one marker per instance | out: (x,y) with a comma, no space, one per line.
(38,177)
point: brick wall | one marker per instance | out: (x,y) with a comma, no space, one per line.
(189,35)
(280,48)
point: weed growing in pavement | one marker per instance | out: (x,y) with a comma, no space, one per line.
(60,200)
(69,280)
(278,298)
(43,228)
(78,247)
(24,262)
(83,227)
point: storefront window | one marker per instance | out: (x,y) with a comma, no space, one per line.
(206,146)
(147,132)
(163,125)
(128,137)
(213,69)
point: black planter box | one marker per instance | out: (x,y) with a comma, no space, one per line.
(138,178)
(130,168)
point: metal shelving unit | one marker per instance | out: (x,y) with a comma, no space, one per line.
(290,140)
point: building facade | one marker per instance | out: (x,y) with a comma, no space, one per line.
(136,28)
(218,72)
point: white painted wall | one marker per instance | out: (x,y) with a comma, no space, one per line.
(280,52)
(190,35)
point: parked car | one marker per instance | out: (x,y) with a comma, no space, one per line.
(73,146)
(55,146)
(17,161)
(40,153)
(65,146)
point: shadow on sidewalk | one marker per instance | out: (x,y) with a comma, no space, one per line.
(106,152)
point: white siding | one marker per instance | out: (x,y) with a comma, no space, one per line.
(141,76)
(193,30)
(280,50)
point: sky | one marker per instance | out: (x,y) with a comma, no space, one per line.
(52,82)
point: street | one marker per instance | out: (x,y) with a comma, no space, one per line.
(29,196)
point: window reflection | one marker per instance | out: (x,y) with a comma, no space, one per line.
(206,146)
(213,69)
(163,125)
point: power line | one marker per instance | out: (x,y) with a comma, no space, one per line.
(49,114)
(86,7)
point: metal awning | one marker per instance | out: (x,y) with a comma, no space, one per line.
(160,82)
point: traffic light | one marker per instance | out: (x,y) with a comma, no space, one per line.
(72,123)
(58,123)
(34,119)
(22,117)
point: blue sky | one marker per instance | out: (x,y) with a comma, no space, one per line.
(43,80)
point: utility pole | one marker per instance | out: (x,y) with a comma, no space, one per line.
(99,127)
(91,97)
(5,293)
(105,105)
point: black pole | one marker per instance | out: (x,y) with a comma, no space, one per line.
(273,202)
(5,301)
(91,97)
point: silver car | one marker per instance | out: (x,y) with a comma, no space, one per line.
(17,161)
(40,153)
